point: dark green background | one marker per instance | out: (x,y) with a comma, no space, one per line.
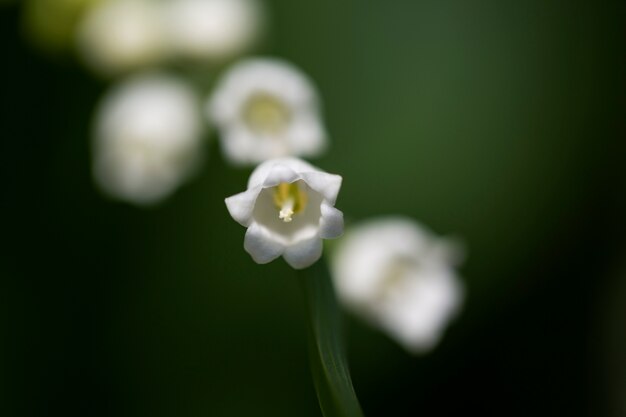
(501,122)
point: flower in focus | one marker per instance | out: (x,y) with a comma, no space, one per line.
(400,278)
(147,138)
(211,30)
(266,108)
(288,209)
(117,36)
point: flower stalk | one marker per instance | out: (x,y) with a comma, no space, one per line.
(327,356)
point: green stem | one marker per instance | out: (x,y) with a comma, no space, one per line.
(326,350)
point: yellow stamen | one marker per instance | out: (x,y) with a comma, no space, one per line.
(290,199)
(266,114)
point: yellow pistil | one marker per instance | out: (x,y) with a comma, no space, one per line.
(290,199)
(266,114)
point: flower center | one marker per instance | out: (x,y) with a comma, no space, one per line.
(396,273)
(289,199)
(266,114)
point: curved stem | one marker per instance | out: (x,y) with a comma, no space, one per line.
(327,356)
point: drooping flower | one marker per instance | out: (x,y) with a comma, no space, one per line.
(147,138)
(211,30)
(288,209)
(399,277)
(266,108)
(117,36)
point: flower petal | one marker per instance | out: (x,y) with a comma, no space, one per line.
(261,172)
(260,244)
(326,184)
(237,145)
(307,136)
(240,206)
(304,253)
(280,173)
(331,222)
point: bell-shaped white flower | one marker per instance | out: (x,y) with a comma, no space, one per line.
(147,138)
(211,30)
(266,108)
(399,277)
(288,209)
(122,35)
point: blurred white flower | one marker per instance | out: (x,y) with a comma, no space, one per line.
(266,108)
(147,138)
(122,35)
(288,209)
(206,30)
(399,277)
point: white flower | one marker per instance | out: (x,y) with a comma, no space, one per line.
(205,30)
(121,35)
(400,278)
(147,138)
(288,209)
(266,108)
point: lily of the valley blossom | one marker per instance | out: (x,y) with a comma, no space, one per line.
(266,108)
(212,30)
(399,277)
(147,138)
(288,209)
(119,36)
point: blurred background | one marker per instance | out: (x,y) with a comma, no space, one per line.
(500,122)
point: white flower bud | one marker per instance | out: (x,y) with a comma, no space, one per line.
(147,138)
